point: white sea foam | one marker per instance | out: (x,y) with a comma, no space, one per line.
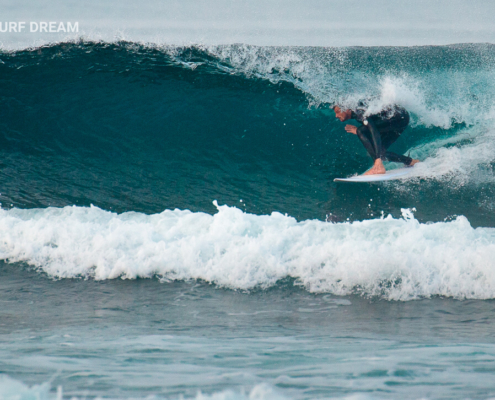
(406,91)
(11,389)
(259,392)
(399,259)
(462,163)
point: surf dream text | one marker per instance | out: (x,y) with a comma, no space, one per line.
(48,27)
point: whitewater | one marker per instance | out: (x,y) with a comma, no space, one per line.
(399,259)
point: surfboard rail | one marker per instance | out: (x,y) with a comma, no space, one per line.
(389,175)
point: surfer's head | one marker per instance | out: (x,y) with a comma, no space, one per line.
(342,115)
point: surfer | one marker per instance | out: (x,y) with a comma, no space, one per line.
(377,133)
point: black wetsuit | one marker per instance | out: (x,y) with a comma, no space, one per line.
(379,131)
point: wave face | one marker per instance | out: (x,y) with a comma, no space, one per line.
(129,127)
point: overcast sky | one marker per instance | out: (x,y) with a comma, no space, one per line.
(262,22)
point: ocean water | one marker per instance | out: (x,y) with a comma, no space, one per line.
(170,228)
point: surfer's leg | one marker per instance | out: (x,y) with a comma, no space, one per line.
(399,158)
(389,138)
(376,139)
(366,137)
(378,167)
(363,133)
(384,134)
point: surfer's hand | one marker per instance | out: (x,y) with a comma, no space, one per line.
(351,129)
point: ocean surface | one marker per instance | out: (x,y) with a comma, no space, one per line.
(170,227)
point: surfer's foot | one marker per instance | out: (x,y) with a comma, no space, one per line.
(413,162)
(378,168)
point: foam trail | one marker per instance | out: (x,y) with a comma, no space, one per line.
(398,259)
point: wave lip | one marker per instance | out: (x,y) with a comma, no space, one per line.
(396,259)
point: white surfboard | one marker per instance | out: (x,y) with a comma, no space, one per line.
(387,176)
